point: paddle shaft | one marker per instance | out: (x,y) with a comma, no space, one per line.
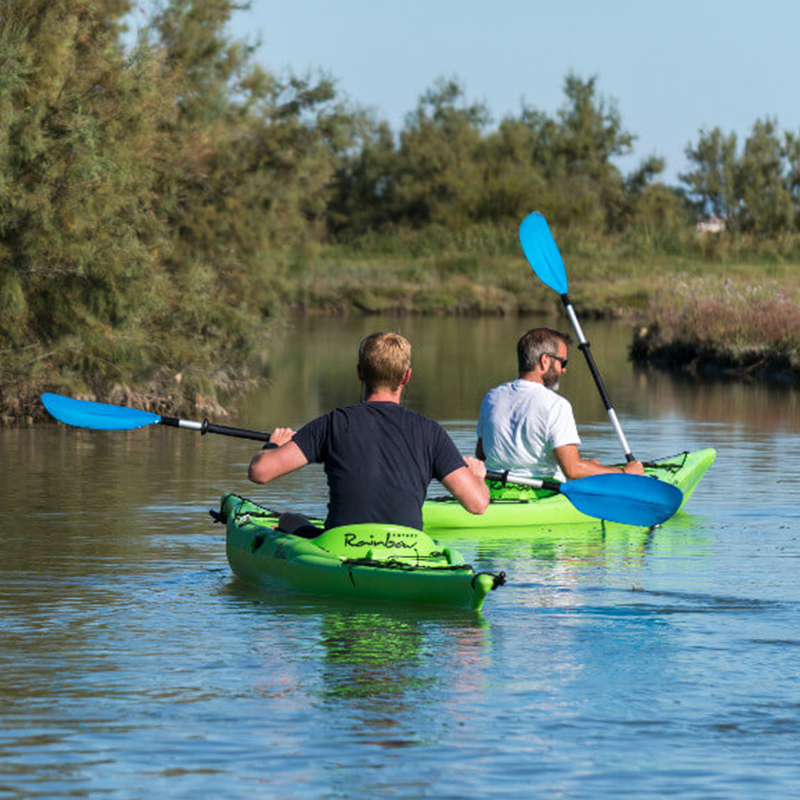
(585,348)
(536,483)
(209,427)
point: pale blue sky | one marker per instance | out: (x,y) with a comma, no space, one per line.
(672,67)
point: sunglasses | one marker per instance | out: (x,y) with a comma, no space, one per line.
(563,361)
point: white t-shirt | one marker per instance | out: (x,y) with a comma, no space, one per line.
(520,424)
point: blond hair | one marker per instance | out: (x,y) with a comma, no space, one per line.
(383,360)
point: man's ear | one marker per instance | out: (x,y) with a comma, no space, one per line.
(406,377)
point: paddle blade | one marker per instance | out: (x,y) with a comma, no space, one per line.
(99,416)
(628,499)
(542,252)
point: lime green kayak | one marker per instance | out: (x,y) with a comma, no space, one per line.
(522,506)
(367,561)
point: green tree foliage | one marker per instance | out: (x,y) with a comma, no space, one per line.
(791,149)
(765,204)
(261,153)
(516,156)
(364,196)
(590,135)
(713,180)
(448,168)
(78,158)
(755,190)
(148,197)
(439,174)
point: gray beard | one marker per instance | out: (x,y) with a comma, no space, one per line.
(551,379)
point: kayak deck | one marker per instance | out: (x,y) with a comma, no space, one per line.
(368,561)
(522,506)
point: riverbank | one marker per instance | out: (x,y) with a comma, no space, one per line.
(695,315)
(737,330)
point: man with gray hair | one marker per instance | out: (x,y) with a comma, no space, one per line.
(526,427)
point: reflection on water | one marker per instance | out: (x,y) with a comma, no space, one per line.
(615,660)
(758,405)
(456,361)
(373,652)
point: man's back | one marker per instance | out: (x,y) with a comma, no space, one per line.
(520,424)
(379,458)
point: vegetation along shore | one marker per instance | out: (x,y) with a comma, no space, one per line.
(165,202)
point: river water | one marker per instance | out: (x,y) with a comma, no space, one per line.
(646,664)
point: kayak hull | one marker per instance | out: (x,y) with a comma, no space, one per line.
(518,506)
(367,562)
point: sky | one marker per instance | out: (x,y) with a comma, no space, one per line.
(672,68)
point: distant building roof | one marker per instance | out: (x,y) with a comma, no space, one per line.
(711,224)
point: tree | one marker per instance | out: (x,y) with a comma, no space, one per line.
(439,177)
(765,205)
(77,228)
(144,193)
(575,151)
(364,194)
(516,158)
(590,133)
(791,152)
(712,183)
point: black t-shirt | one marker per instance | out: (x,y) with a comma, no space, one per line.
(379,458)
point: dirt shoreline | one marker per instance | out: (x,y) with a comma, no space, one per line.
(709,360)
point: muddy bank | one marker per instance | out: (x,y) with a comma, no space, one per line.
(706,359)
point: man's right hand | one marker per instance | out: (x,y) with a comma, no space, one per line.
(476,467)
(280,436)
(634,468)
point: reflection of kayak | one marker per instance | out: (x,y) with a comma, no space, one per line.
(376,562)
(521,506)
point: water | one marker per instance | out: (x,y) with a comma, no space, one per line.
(639,664)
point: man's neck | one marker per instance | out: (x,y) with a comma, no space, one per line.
(384,396)
(534,376)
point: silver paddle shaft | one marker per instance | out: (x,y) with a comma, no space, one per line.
(584,347)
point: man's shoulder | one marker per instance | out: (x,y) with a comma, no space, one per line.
(524,394)
(502,389)
(416,418)
(394,411)
(521,388)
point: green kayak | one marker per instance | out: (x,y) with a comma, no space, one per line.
(368,561)
(522,506)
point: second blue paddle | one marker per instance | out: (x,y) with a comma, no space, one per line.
(544,257)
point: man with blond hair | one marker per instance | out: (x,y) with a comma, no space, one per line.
(379,457)
(526,428)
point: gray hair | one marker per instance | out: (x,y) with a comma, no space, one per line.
(536,343)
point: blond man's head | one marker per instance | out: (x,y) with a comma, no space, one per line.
(384,360)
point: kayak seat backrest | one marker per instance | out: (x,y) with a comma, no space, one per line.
(508,491)
(378,542)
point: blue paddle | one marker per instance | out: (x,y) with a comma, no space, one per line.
(612,496)
(105,417)
(544,257)
(629,499)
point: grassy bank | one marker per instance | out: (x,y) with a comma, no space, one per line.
(602,283)
(744,329)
